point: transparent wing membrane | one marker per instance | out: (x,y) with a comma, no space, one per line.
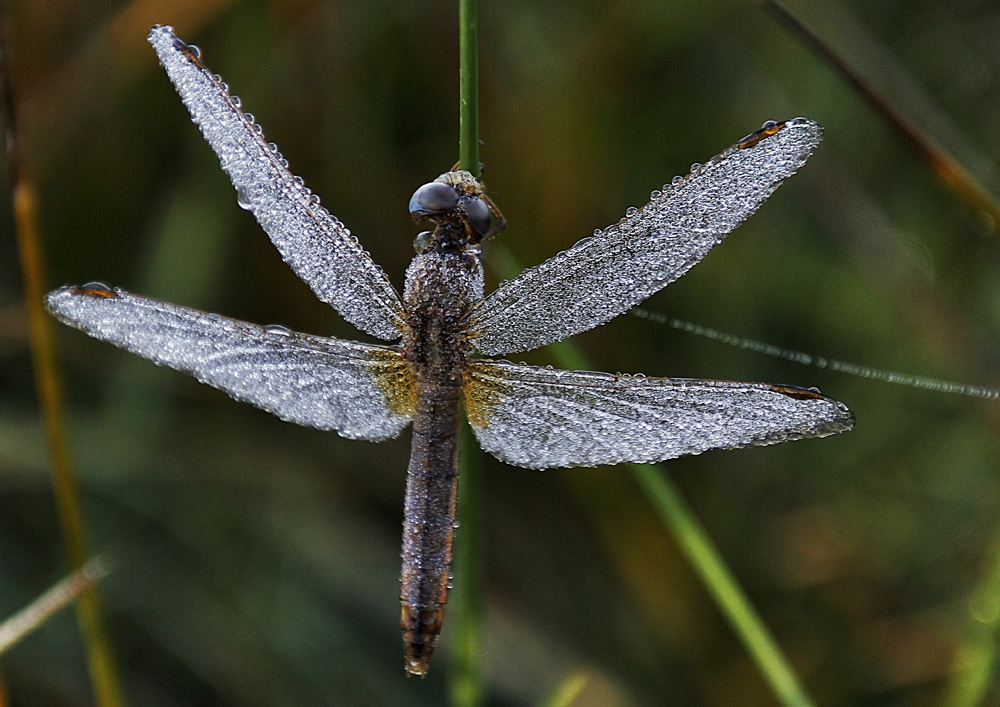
(542,418)
(606,275)
(316,245)
(361,391)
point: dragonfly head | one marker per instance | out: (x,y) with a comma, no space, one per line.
(457,203)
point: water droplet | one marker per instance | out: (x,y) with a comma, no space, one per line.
(597,231)
(299,181)
(696,166)
(249,117)
(630,211)
(258,129)
(243,199)
(769,125)
(423,241)
(677,180)
(278,330)
(655,194)
(96,285)
(193,48)
(236,101)
(313,200)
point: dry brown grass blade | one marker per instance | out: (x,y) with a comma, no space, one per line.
(28,234)
(58,597)
(941,162)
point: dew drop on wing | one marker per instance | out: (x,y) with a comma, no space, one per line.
(97,286)
(769,125)
(278,330)
(630,211)
(655,194)
(696,166)
(195,50)
(249,117)
(236,101)
(243,199)
(676,180)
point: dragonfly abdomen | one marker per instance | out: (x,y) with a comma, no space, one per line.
(429,521)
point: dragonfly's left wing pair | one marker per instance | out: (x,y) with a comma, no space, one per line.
(362,391)
(317,246)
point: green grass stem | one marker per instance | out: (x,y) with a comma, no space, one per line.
(467,688)
(975,660)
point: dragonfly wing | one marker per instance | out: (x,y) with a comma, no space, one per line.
(608,274)
(361,391)
(541,418)
(319,248)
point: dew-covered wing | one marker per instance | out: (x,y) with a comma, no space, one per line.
(319,248)
(361,391)
(542,418)
(607,274)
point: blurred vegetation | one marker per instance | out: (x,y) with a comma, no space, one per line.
(257,563)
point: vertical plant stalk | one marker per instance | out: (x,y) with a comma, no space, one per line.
(100,659)
(468,86)
(467,689)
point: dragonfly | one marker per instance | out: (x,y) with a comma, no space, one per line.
(527,416)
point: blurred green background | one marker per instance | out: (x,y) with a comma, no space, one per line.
(256,563)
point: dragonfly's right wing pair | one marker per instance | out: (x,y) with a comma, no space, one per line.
(540,418)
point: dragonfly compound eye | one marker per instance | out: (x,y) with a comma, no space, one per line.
(478,214)
(433,198)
